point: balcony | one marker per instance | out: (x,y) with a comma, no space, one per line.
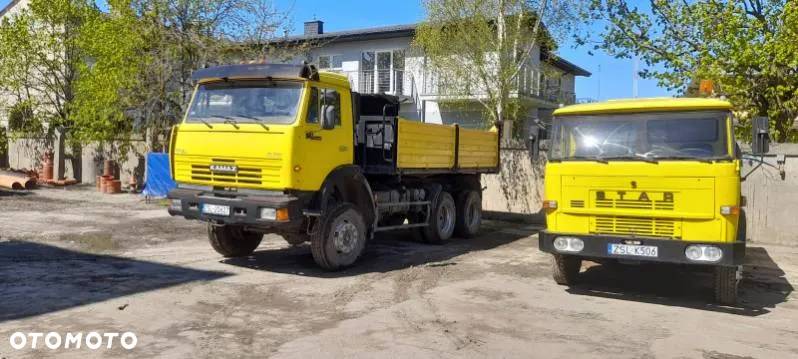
(391,82)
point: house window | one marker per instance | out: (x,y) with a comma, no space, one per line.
(382,71)
(330,62)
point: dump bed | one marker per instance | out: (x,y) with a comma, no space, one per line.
(432,146)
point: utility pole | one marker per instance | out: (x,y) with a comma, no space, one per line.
(598,96)
(636,71)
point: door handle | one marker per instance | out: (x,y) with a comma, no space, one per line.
(312,136)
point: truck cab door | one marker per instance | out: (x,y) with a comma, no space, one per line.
(324,149)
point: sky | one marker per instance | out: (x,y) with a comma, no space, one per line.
(612,78)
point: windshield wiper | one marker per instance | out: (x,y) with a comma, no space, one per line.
(699,159)
(232,122)
(589,158)
(255,119)
(633,157)
(206,123)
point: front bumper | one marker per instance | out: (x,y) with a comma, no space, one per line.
(245,209)
(669,250)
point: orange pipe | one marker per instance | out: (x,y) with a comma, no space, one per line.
(16,182)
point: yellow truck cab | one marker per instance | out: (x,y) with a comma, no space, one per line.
(645,180)
(285,149)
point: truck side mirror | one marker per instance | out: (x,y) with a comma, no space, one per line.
(760,135)
(329,117)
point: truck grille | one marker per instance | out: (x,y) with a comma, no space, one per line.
(634,204)
(652,227)
(247,175)
(228,172)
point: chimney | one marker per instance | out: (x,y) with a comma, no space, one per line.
(315,27)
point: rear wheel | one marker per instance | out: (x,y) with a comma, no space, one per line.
(726,282)
(341,239)
(233,241)
(443,216)
(565,269)
(469,214)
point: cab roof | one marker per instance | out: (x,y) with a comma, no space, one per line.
(264,71)
(644,105)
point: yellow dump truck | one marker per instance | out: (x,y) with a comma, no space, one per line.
(647,180)
(285,149)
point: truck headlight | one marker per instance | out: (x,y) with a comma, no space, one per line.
(268,213)
(176,205)
(569,244)
(703,253)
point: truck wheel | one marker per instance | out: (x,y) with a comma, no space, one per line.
(442,221)
(565,269)
(726,285)
(233,241)
(469,214)
(341,239)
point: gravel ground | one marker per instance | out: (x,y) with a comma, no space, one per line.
(77,261)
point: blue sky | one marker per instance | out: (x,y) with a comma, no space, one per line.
(612,78)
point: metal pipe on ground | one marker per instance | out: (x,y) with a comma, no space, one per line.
(16,181)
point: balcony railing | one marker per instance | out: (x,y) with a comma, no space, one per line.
(392,82)
(404,83)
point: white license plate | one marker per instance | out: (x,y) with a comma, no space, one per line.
(632,250)
(216,209)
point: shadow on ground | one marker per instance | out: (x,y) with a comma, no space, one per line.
(763,285)
(387,252)
(14,193)
(37,278)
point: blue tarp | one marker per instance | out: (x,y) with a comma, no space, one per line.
(159,178)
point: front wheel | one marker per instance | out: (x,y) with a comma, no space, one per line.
(341,239)
(726,282)
(565,268)
(233,241)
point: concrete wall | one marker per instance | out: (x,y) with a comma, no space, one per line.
(772,208)
(518,188)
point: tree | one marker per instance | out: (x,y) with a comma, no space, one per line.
(478,48)
(39,60)
(184,35)
(746,47)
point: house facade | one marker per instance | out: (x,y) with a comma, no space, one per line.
(380,60)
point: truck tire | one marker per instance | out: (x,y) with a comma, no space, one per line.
(726,285)
(469,214)
(341,239)
(233,241)
(565,268)
(443,218)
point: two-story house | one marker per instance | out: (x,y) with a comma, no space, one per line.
(380,60)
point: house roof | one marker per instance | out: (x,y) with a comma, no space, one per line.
(373,33)
(8,7)
(645,105)
(406,30)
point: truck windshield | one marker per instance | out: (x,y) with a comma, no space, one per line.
(641,136)
(246,101)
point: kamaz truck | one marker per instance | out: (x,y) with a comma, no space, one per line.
(647,180)
(285,149)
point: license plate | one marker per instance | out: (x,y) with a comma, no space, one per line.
(632,250)
(216,209)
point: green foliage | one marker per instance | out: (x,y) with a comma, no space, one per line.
(478,49)
(747,47)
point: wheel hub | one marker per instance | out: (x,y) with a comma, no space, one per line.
(445,219)
(345,236)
